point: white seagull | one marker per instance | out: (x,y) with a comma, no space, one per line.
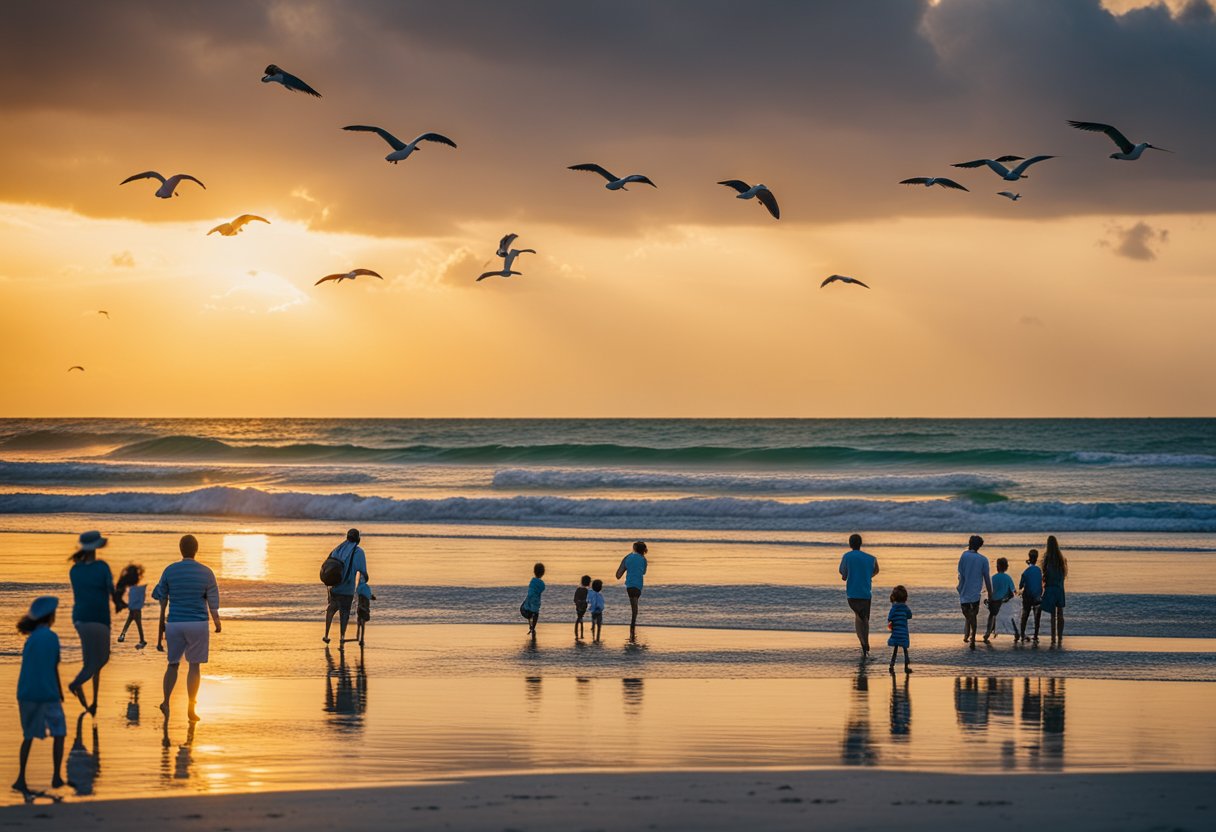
(1000,170)
(167,186)
(401,150)
(840,278)
(350,275)
(504,245)
(930,181)
(231,229)
(507,263)
(274,75)
(615,183)
(1128,152)
(759,192)
(1010,195)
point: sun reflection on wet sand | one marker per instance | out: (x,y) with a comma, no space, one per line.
(244,556)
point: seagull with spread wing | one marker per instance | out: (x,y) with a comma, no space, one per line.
(930,181)
(1000,170)
(1009,195)
(401,150)
(840,278)
(231,229)
(507,262)
(760,193)
(350,275)
(167,186)
(615,183)
(75,367)
(504,245)
(1128,152)
(274,75)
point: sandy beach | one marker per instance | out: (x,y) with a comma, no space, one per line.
(794,800)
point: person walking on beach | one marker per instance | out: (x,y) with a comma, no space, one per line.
(342,594)
(1055,570)
(530,608)
(39,692)
(857,570)
(595,605)
(1031,586)
(92,593)
(580,604)
(973,580)
(188,594)
(633,567)
(130,583)
(897,623)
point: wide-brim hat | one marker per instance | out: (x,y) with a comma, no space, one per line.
(89,541)
(43,606)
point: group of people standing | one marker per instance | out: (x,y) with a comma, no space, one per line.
(1041,589)
(588,595)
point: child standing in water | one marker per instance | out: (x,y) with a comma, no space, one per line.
(580,604)
(363,613)
(1031,585)
(897,622)
(131,580)
(1002,591)
(595,603)
(530,608)
(39,691)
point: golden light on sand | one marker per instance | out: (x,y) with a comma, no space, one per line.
(244,557)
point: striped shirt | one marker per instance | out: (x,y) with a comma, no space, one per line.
(190,589)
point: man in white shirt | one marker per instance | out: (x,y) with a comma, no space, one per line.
(973,579)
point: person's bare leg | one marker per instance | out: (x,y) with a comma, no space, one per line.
(92,709)
(343,621)
(633,616)
(19,783)
(169,684)
(138,615)
(894,653)
(862,626)
(1025,618)
(1060,613)
(123,635)
(194,678)
(329,620)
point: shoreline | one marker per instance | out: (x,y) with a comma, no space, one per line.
(678,800)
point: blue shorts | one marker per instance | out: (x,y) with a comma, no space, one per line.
(41,718)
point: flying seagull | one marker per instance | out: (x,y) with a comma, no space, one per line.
(759,192)
(615,183)
(104,312)
(1128,152)
(507,263)
(75,367)
(231,229)
(274,75)
(504,245)
(842,279)
(930,181)
(1000,170)
(167,186)
(350,275)
(401,150)
(1010,195)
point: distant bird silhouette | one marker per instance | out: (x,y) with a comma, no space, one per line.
(615,183)
(760,193)
(504,245)
(840,278)
(401,150)
(1127,151)
(1000,170)
(75,367)
(231,229)
(1010,195)
(274,75)
(507,263)
(167,186)
(930,181)
(350,275)
(104,312)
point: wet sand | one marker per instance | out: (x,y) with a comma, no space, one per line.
(682,801)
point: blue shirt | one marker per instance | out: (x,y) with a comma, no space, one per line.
(364,590)
(972,577)
(635,567)
(39,679)
(595,601)
(535,587)
(1002,587)
(190,589)
(1032,582)
(343,552)
(858,569)
(92,591)
(898,616)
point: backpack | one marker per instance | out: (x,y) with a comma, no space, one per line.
(334,571)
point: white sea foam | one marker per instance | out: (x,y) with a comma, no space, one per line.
(616,478)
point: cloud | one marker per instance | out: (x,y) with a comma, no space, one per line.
(1136,242)
(122,260)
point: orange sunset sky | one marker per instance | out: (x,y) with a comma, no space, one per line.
(1095,295)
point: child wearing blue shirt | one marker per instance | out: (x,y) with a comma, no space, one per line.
(1002,591)
(1031,585)
(39,691)
(595,605)
(897,623)
(530,608)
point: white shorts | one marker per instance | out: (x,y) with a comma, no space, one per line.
(188,639)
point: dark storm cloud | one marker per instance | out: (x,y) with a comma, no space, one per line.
(830,103)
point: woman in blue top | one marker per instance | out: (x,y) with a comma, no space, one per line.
(1055,570)
(530,608)
(633,567)
(897,621)
(93,592)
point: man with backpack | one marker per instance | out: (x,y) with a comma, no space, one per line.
(340,572)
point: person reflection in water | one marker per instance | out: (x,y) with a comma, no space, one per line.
(901,709)
(858,749)
(345,694)
(632,692)
(84,765)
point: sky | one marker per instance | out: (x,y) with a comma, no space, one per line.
(1093,295)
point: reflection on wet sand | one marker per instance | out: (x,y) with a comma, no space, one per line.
(987,704)
(632,691)
(83,765)
(901,707)
(345,695)
(858,747)
(181,766)
(133,703)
